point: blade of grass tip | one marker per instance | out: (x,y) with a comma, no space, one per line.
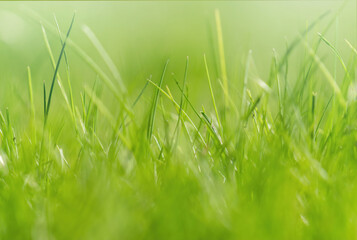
(68,72)
(2,121)
(104,54)
(60,37)
(197,129)
(351,46)
(324,32)
(338,55)
(161,149)
(211,127)
(212,95)
(336,41)
(212,39)
(165,125)
(286,72)
(80,121)
(251,109)
(154,104)
(81,53)
(278,82)
(245,82)
(47,43)
(57,67)
(59,80)
(297,40)
(49,50)
(133,105)
(44,99)
(89,107)
(188,101)
(230,100)
(181,101)
(140,94)
(313,105)
(10,133)
(221,56)
(183,85)
(328,75)
(194,110)
(106,113)
(206,120)
(8,122)
(32,105)
(183,111)
(100,105)
(83,101)
(322,116)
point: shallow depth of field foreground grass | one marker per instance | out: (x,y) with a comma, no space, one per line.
(192,151)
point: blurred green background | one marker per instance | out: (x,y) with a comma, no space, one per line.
(140,36)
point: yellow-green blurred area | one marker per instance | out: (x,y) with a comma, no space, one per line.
(141,36)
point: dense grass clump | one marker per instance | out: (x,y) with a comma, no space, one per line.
(272,158)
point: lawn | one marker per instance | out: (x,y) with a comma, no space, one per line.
(178,120)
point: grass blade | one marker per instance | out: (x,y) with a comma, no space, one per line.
(32,105)
(328,75)
(56,70)
(222,58)
(104,54)
(212,95)
(154,104)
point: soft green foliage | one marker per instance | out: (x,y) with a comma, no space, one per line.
(240,158)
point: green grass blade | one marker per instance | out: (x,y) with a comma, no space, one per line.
(322,116)
(338,55)
(328,76)
(297,40)
(57,67)
(222,58)
(44,100)
(68,72)
(211,91)
(154,104)
(81,53)
(32,105)
(184,112)
(245,83)
(104,54)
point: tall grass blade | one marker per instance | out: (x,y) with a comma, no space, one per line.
(32,105)
(328,75)
(212,94)
(81,53)
(338,55)
(44,100)
(154,105)
(57,67)
(222,58)
(104,54)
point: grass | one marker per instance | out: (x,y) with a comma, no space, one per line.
(274,158)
